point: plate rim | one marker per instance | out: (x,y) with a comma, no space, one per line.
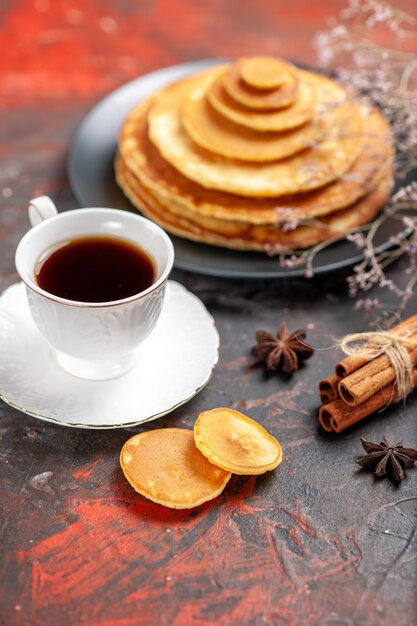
(187,68)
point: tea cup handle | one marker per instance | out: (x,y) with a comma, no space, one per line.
(40,209)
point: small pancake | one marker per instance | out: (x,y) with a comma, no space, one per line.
(300,112)
(241,236)
(257,99)
(162,178)
(210,130)
(310,169)
(165,466)
(316,94)
(235,442)
(265,72)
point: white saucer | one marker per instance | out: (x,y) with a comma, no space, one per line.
(177,361)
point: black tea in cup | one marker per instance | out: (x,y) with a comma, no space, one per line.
(95,269)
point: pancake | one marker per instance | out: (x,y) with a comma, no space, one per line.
(209,169)
(235,442)
(243,236)
(316,94)
(258,99)
(265,72)
(210,130)
(310,169)
(300,112)
(156,174)
(165,466)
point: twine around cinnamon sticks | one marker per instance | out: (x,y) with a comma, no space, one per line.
(382,371)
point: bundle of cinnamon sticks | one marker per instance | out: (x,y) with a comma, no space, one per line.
(360,386)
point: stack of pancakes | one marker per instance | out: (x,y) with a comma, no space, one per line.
(256,155)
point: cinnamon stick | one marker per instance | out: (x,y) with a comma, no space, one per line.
(352,363)
(325,416)
(349,365)
(367,380)
(328,389)
(338,415)
(364,386)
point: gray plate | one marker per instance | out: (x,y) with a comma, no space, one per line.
(93,183)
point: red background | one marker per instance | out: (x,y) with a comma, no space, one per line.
(305,545)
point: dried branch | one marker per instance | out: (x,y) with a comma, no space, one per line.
(384,76)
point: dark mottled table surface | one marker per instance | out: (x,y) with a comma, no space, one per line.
(314,543)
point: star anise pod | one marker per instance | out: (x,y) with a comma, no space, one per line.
(387,460)
(282,352)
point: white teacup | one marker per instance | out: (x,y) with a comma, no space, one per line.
(93,340)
